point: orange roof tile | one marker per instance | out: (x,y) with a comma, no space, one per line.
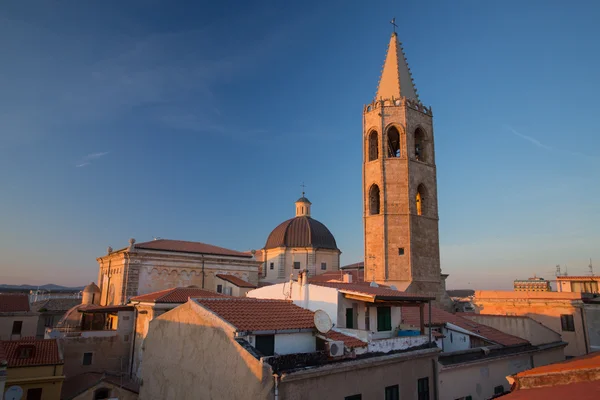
(249,314)
(377,293)
(590,361)
(14,302)
(579,391)
(236,281)
(2,355)
(182,246)
(410,315)
(175,295)
(349,341)
(38,351)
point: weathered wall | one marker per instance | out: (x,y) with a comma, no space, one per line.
(592,318)
(545,308)
(116,392)
(49,378)
(368,377)
(455,340)
(478,379)
(549,356)
(523,327)
(191,354)
(125,274)
(291,343)
(29,328)
(109,353)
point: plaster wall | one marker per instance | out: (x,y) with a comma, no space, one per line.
(49,378)
(108,353)
(309,258)
(290,343)
(191,354)
(368,377)
(235,290)
(592,319)
(523,327)
(28,329)
(547,311)
(478,379)
(455,341)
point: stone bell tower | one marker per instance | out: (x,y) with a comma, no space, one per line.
(400,185)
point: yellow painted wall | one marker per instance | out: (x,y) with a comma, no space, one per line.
(50,378)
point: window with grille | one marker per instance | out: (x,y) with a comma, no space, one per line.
(423,389)
(567,323)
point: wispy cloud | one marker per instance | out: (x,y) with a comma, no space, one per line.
(529,139)
(87,160)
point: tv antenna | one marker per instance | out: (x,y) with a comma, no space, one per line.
(591,268)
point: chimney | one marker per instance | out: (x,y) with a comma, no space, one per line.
(347,278)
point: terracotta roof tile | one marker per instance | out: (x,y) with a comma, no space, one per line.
(381,292)
(54,304)
(40,352)
(349,341)
(175,295)
(14,302)
(182,246)
(579,391)
(236,281)
(3,359)
(249,314)
(410,315)
(590,361)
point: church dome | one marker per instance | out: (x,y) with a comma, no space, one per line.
(302,231)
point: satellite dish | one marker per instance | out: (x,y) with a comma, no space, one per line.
(322,321)
(393,287)
(14,393)
(373,284)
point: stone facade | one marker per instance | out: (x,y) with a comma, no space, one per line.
(400,189)
(132,272)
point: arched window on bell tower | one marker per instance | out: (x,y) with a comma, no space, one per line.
(374,200)
(421,200)
(420,150)
(393,137)
(373,146)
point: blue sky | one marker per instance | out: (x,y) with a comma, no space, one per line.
(200,120)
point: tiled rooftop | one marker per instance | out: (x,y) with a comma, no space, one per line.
(31,352)
(14,302)
(349,341)
(380,293)
(590,361)
(410,315)
(575,391)
(249,314)
(182,246)
(175,295)
(54,304)
(236,281)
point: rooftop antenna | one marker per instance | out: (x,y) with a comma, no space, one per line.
(558,270)
(591,268)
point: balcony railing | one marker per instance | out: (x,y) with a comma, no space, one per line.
(385,341)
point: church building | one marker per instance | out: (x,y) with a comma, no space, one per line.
(400,207)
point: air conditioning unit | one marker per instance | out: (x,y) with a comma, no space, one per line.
(335,348)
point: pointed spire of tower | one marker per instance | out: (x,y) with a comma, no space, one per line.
(396,80)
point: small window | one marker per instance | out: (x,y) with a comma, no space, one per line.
(354,397)
(125,318)
(34,394)
(367,319)
(374,200)
(296,264)
(384,319)
(25,351)
(265,344)
(87,358)
(272,266)
(102,393)
(349,318)
(17,327)
(323,266)
(567,323)
(423,389)
(219,288)
(400,251)
(392,393)
(499,389)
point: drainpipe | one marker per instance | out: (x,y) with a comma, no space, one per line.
(133,333)
(203,271)
(276,377)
